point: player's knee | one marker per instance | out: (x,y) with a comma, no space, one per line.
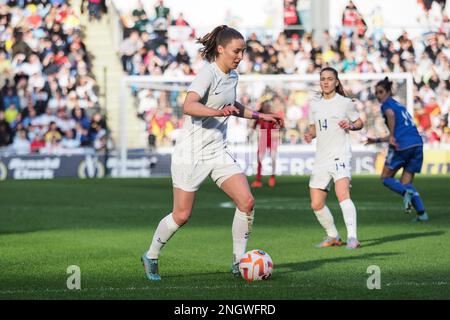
(385,181)
(247,204)
(181,217)
(342,197)
(316,205)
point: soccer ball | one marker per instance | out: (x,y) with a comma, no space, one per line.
(256,265)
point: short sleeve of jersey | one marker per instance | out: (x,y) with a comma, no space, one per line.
(202,81)
(386,105)
(351,112)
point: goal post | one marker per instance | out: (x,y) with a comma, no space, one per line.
(255,85)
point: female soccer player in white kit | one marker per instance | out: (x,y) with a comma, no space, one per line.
(331,116)
(201,149)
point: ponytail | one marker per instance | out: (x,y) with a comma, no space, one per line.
(221,35)
(386,84)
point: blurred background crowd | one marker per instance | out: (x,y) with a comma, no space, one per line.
(146,50)
(49,97)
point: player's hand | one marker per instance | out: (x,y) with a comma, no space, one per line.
(308,137)
(228,110)
(393,143)
(344,124)
(370,141)
(274,118)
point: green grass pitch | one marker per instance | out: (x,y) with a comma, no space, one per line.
(103,226)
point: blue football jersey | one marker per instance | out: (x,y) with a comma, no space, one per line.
(406,134)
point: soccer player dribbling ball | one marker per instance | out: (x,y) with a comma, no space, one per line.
(405,150)
(201,148)
(268,138)
(331,116)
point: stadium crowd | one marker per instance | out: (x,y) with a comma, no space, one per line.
(147,50)
(49,97)
(49,102)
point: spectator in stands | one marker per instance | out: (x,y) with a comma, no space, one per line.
(10,97)
(182,56)
(180,21)
(95,10)
(70,141)
(5,131)
(5,68)
(292,19)
(53,133)
(11,113)
(97,124)
(79,115)
(140,18)
(352,20)
(102,142)
(21,145)
(162,12)
(37,143)
(129,47)
(82,134)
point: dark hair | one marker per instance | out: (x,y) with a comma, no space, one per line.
(221,35)
(339,88)
(386,84)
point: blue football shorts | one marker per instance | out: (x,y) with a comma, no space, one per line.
(410,159)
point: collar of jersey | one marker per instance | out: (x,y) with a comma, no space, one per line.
(223,74)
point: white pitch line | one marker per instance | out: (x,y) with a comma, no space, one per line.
(252,286)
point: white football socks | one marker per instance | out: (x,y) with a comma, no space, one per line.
(241,229)
(326,220)
(165,230)
(349,213)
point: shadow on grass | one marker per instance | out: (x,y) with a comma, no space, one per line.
(399,237)
(314,264)
(292,267)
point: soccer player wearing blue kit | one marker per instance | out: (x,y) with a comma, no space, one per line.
(405,150)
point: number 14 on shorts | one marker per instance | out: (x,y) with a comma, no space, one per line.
(340,165)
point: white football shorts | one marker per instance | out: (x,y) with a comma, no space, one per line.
(323,173)
(189,176)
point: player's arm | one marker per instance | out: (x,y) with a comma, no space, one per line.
(352,120)
(390,120)
(247,113)
(351,125)
(310,134)
(193,107)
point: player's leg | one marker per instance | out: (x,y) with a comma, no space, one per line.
(273,155)
(187,177)
(393,163)
(342,189)
(237,188)
(413,166)
(324,216)
(319,186)
(262,147)
(388,180)
(183,202)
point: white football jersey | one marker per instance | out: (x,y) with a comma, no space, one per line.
(333,142)
(205,138)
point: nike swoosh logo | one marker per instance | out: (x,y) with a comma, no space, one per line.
(216,93)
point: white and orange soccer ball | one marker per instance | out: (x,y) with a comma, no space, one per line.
(256,265)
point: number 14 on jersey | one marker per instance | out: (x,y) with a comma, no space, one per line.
(323,124)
